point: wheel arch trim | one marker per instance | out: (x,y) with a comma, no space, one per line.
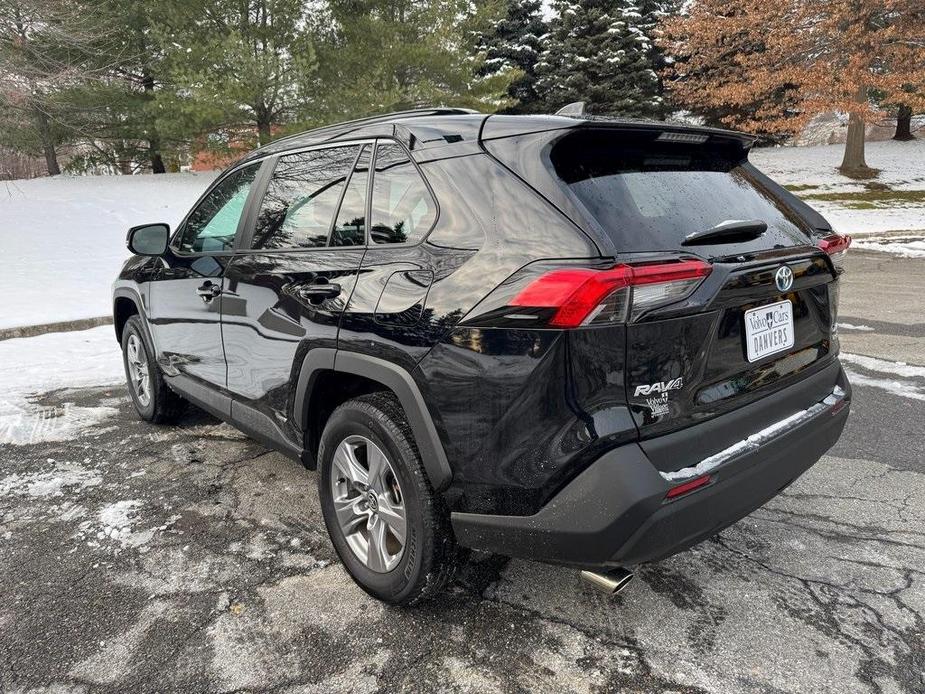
(393,377)
(132,294)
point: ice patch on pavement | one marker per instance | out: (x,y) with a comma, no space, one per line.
(859,328)
(911,385)
(22,425)
(117,521)
(903,389)
(899,368)
(65,478)
(33,365)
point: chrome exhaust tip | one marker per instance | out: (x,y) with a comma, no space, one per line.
(610,583)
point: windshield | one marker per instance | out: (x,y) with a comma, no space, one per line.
(649,195)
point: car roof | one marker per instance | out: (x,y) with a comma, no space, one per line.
(441,125)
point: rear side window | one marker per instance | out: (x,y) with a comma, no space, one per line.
(403,210)
(298,208)
(649,195)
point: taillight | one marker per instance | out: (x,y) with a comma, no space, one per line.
(580,296)
(836,245)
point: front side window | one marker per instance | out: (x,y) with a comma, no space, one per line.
(211,227)
(304,191)
(403,210)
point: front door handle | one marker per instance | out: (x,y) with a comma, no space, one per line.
(208,291)
(317,292)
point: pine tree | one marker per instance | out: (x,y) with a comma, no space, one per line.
(514,43)
(601,52)
(45,54)
(376,56)
(237,63)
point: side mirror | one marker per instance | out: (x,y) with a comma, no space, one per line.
(148,239)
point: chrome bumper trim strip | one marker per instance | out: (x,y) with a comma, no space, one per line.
(757,439)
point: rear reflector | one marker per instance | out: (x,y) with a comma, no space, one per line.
(585,297)
(836,245)
(688,487)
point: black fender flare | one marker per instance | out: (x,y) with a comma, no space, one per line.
(126,292)
(393,377)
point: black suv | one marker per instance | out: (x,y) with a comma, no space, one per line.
(589,342)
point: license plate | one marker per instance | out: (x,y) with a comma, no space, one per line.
(768,330)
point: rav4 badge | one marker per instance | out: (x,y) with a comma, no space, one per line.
(659,387)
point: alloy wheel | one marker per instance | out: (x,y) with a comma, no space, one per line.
(139,375)
(369,504)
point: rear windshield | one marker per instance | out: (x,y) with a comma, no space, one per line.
(649,195)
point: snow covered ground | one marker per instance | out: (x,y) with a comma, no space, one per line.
(33,365)
(62,239)
(811,171)
(907,246)
(901,164)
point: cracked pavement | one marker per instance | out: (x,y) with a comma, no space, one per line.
(189,558)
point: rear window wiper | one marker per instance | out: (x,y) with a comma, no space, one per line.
(730,230)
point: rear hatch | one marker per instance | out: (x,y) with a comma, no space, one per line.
(761,319)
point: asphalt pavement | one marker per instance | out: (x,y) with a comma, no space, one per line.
(189,558)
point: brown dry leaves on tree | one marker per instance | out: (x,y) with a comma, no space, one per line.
(770,65)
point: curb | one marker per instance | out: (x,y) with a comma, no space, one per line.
(63,327)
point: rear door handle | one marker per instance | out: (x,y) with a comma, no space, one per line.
(209,291)
(319,291)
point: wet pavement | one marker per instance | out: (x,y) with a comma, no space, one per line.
(189,558)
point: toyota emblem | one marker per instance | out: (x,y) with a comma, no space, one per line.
(783,278)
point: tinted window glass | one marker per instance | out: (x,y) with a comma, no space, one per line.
(649,195)
(350,227)
(212,225)
(402,210)
(303,193)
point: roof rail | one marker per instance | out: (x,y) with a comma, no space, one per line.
(380,118)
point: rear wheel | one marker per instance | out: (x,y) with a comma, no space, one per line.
(388,526)
(153,399)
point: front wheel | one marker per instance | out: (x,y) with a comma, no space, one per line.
(388,526)
(153,399)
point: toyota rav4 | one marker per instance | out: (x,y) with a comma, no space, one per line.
(588,342)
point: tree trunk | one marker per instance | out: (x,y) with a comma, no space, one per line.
(904,124)
(154,140)
(854,145)
(154,153)
(48,142)
(264,130)
(123,160)
(853,164)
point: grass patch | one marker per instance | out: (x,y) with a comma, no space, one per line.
(796,187)
(871,199)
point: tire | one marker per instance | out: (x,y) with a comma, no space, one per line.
(154,401)
(428,556)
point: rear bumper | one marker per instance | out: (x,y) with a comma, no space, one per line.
(615,513)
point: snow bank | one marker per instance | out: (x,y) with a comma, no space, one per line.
(906,247)
(34,365)
(62,239)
